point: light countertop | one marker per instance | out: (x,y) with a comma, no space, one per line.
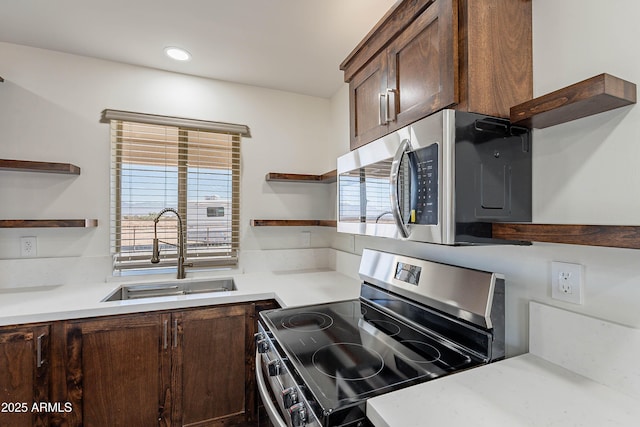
(49,303)
(580,371)
(517,392)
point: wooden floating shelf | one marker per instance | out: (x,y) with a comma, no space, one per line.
(1,79)
(293,223)
(48,223)
(29,166)
(598,94)
(617,236)
(326,178)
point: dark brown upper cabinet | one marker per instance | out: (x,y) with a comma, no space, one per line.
(426,55)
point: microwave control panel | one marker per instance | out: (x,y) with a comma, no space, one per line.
(425,194)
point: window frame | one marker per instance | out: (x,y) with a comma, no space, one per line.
(200,259)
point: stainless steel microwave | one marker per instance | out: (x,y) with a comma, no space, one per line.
(443,179)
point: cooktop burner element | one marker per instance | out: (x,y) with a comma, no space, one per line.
(415,321)
(426,353)
(359,365)
(387,327)
(308,322)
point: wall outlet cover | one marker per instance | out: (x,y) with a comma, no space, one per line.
(28,246)
(567,282)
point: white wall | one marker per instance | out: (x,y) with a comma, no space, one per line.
(583,172)
(50,105)
(586,170)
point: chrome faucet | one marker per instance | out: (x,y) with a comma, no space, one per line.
(155,256)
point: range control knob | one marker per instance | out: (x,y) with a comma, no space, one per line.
(289,396)
(263,346)
(274,368)
(298,414)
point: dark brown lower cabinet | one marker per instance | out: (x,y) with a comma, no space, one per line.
(211,372)
(24,375)
(116,372)
(192,367)
(180,368)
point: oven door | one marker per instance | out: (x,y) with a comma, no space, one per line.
(263,389)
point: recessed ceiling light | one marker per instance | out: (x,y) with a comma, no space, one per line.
(177,53)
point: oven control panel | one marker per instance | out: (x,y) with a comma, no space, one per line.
(279,375)
(408,273)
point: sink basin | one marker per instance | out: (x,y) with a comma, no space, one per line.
(153,290)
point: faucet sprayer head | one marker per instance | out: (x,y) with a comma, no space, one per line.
(155,256)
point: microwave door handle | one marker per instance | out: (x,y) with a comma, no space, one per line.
(395,200)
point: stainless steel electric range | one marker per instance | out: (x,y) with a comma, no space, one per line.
(415,321)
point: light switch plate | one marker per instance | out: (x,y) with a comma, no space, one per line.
(567,282)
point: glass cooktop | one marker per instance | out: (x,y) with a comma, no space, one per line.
(349,351)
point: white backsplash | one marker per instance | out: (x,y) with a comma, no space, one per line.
(256,261)
(602,351)
(36,272)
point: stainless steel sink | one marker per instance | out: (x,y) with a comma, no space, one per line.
(154,290)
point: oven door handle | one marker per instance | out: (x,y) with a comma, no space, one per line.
(404,147)
(272,411)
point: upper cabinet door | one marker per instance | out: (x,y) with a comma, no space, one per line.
(422,65)
(368,102)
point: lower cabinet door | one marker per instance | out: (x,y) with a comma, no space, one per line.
(24,376)
(212,369)
(118,371)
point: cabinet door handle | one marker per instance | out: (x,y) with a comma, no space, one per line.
(382,109)
(175,333)
(166,334)
(39,360)
(391,101)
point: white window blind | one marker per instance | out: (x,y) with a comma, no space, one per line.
(190,166)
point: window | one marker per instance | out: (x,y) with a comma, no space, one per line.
(191,166)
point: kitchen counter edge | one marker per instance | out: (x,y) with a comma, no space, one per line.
(65,302)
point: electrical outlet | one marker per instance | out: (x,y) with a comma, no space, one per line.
(567,282)
(28,246)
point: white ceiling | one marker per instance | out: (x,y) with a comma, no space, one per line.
(292,45)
